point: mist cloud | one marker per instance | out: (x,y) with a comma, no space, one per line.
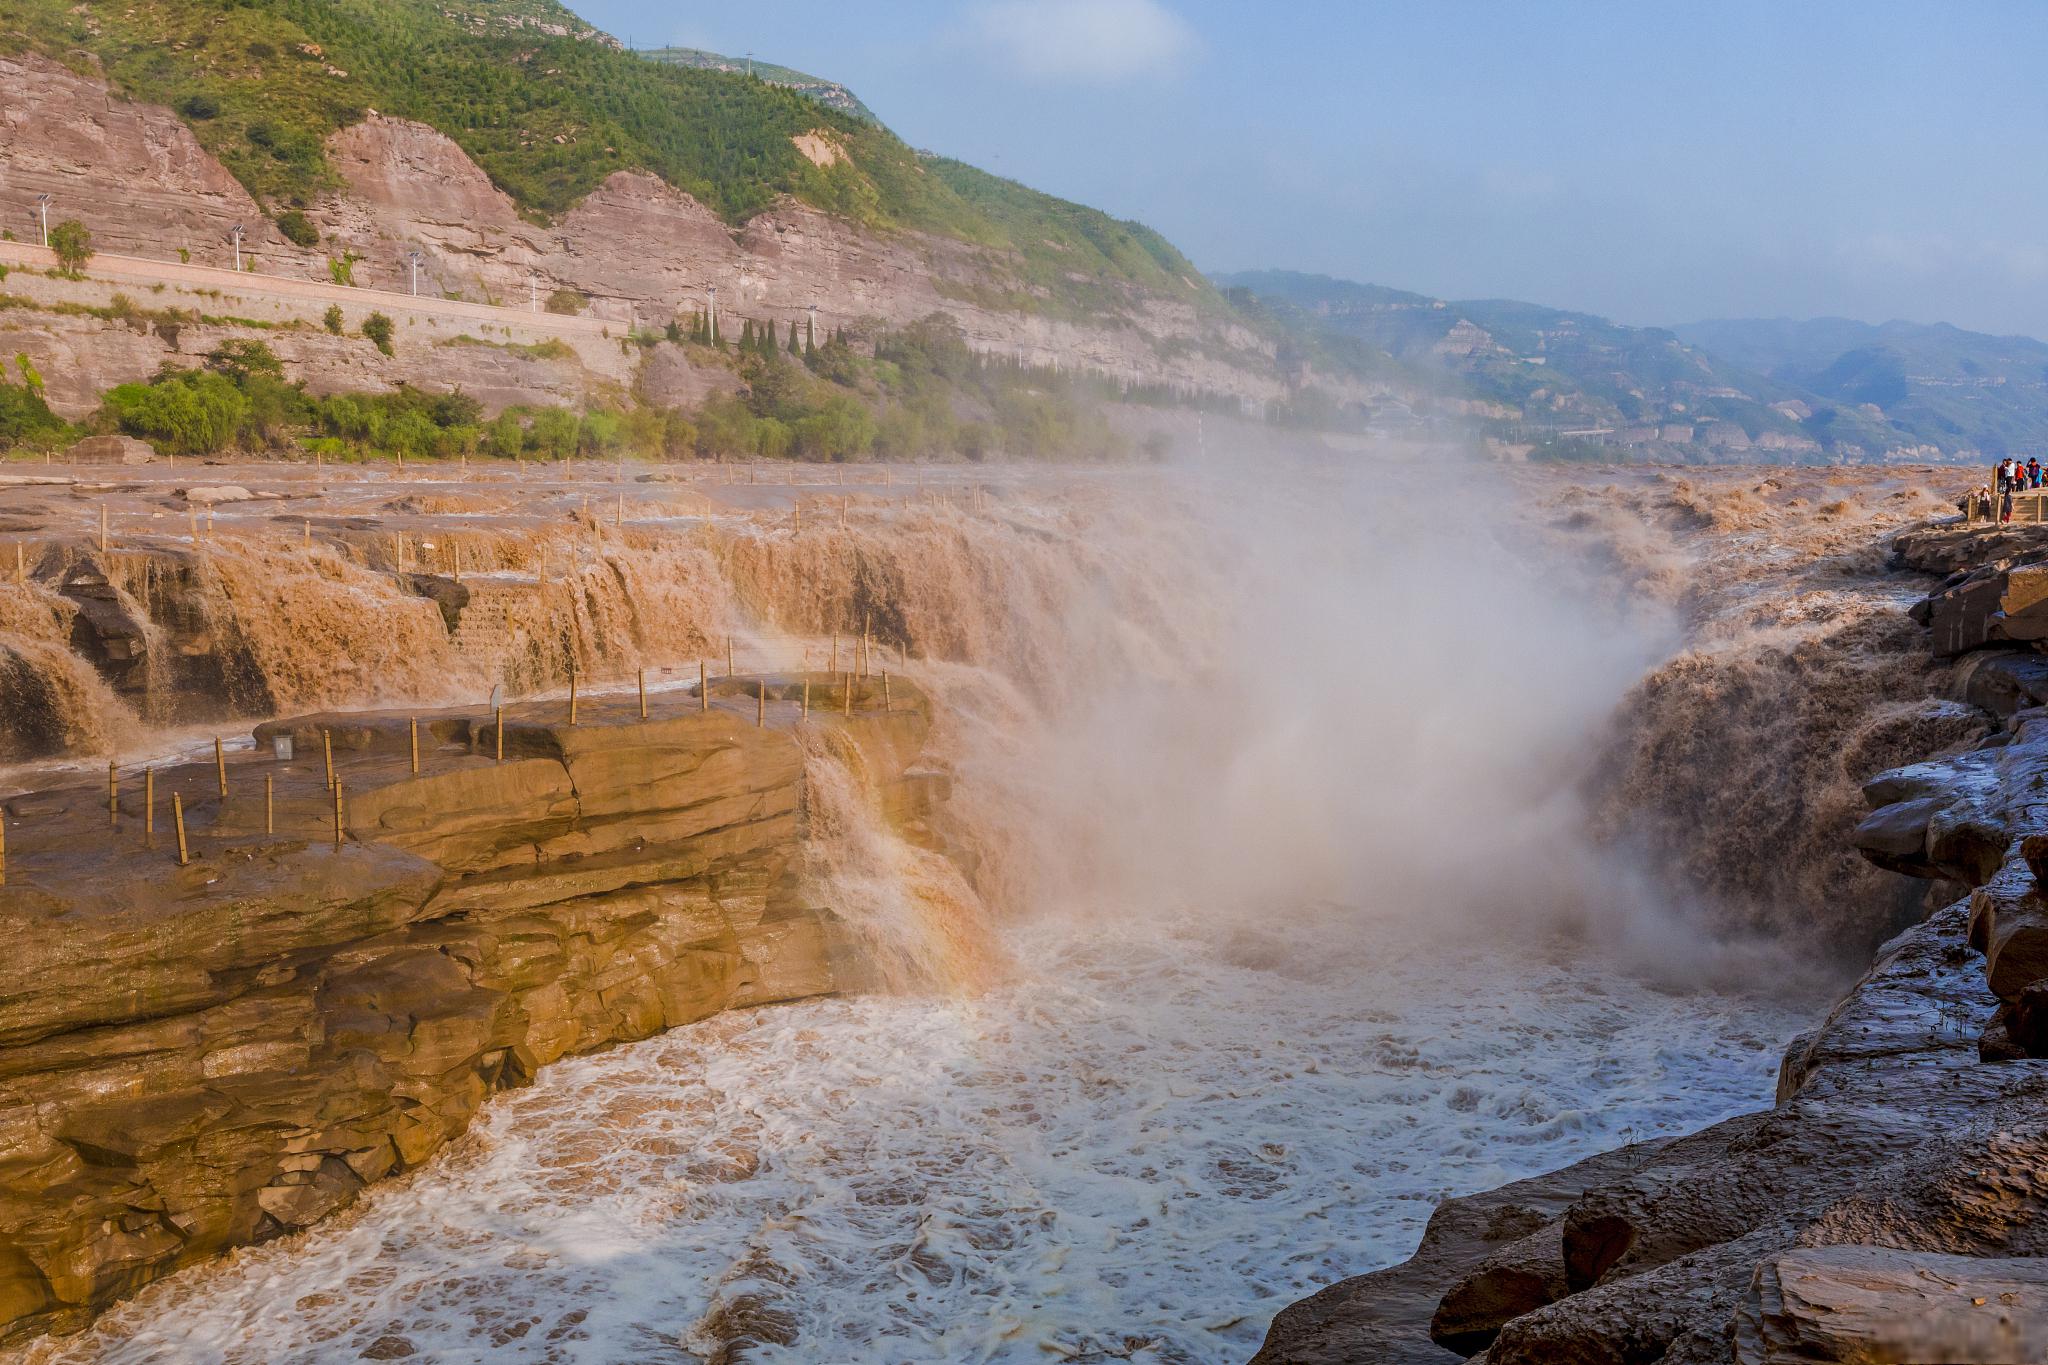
(1083,41)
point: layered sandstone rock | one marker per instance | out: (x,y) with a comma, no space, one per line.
(202,1056)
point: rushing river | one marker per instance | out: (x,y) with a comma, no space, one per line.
(1142,1147)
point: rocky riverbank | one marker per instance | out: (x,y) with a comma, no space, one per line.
(203,1053)
(1894,1205)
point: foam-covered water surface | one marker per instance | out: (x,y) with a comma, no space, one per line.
(1141,1147)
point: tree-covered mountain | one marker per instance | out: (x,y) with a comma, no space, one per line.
(1940,383)
(831,94)
(550,107)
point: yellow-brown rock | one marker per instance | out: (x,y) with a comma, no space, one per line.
(202,1056)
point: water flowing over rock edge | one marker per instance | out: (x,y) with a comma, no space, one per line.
(1893,1200)
(213,1053)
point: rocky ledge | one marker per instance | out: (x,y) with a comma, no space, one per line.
(1893,1206)
(203,1055)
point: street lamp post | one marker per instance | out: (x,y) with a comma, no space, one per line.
(43,210)
(713,292)
(235,236)
(413,259)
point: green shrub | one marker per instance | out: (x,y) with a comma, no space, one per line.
(379,330)
(73,245)
(567,302)
(241,360)
(298,229)
(199,108)
(196,412)
(333,320)
(553,434)
(24,416)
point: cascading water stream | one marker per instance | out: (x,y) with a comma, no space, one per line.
(1262,913)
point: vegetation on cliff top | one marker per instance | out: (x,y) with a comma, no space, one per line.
(549,108)
(831,94)
(921,393)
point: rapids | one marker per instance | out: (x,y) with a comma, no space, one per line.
(1272,913)
(1140,1147)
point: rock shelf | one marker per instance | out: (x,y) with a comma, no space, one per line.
(195,1057)
(1894,1205)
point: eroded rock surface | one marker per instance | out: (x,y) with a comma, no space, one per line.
(642,251)
(1894,1205)
(202,1056)
(1856,1303)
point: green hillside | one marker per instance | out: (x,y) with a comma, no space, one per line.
(831,94)
(549,107)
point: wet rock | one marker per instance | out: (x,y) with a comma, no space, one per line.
(1895,837)
(1519,1278)
(2004,682)
(1888,1130)
(1386,1316)
(209,495)
(1864,1303)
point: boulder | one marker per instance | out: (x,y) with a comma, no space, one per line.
(110,450)
(209,495)
(1998,604)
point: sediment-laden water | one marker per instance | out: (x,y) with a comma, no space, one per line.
(1305,882)
(1146,1143)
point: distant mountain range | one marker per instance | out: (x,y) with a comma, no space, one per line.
(1572,384)
(1947,386)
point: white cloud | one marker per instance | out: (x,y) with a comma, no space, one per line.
(1088,41)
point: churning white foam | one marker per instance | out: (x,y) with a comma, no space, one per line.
(1150,1140)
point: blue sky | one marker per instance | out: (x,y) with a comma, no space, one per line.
(1656,162)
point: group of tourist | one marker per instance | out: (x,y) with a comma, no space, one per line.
(2009,477)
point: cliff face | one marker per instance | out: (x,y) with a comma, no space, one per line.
(641,250)
(1893,1206)
(199,1056)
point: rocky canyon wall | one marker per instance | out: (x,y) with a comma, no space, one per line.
(199,1053)
(640,250)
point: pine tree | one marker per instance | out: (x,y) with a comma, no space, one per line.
(747,335)
(794,349)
